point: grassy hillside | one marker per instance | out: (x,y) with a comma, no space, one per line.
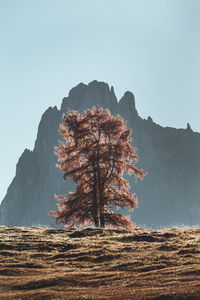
(41,263)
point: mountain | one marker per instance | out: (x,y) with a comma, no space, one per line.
(168,195)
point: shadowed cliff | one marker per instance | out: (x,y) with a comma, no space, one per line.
(168,195)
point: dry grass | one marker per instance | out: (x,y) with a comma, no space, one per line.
(39,263)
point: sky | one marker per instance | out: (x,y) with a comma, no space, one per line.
(149,47)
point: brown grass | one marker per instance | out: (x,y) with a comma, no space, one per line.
(39,263)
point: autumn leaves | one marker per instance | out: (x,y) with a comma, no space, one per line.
(94,153)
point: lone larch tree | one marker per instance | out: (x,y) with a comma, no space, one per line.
(94,153)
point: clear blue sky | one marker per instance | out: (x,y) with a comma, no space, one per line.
(150,47)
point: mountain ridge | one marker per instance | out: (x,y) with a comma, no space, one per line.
(164,152)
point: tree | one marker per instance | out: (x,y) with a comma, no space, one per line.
(94,153)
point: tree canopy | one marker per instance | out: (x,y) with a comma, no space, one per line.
(95,153)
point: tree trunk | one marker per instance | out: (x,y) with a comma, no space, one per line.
(102,218)
(101,203)
(95,202)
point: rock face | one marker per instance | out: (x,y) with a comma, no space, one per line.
(168,195)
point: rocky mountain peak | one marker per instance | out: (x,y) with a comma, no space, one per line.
(77,90)
(168,195)
(85,96)
(129,100)
(149,119)
(189,127)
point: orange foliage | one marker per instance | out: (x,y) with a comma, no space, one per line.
(95,153)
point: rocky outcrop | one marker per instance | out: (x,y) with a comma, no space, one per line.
(168,195)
